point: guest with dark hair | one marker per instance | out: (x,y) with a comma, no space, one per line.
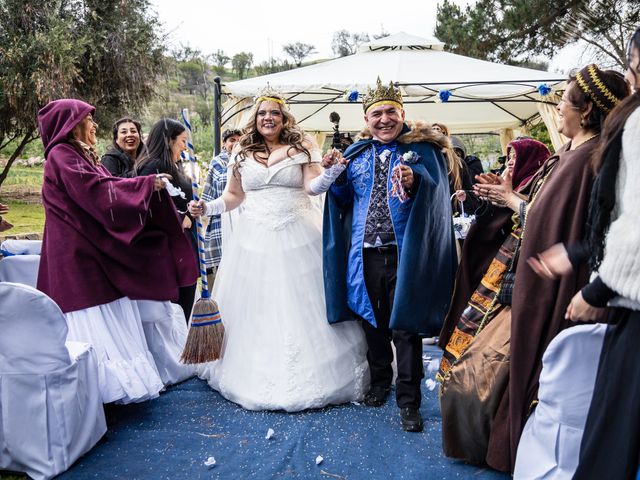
(473,163)
(556,212)
(167,140)
(213,188)
(103,238)
(127,146)
(611,439)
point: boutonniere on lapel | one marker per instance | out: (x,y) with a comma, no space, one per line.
(384,156)
(410,157)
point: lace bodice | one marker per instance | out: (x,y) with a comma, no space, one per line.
(274,195)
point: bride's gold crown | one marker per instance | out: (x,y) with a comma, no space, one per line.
(381,95)
(270,94)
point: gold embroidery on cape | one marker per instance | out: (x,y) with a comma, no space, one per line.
(459,343)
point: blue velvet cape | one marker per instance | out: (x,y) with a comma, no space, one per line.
(423,227)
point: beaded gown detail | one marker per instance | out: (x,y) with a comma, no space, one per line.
(280,353)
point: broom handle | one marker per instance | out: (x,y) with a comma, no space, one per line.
(194,186)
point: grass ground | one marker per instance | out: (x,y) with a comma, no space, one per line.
(21,192)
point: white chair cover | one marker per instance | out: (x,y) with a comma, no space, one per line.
(50,408)
(550,444)
(165,330)
(21,247)
(20,269)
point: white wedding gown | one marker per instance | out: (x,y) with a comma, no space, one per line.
(280,353)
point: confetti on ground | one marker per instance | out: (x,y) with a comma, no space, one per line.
(319,460)
(269,434)
(210,462)
(430,383)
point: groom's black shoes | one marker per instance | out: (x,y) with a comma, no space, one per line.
(411,419)
(376,396)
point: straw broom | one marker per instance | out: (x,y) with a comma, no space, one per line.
(206,330)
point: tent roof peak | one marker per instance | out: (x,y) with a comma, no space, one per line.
(403,41)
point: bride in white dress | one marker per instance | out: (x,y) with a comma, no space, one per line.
(280,353)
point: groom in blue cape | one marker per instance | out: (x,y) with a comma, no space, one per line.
(389,255)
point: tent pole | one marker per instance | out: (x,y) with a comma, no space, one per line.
(217,111)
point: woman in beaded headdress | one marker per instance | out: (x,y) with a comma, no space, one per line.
(611,438)
(280,352)
(556,211)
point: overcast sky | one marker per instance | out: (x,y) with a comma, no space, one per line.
(263,27)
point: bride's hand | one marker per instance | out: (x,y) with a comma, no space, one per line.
(332,158)
(196,208)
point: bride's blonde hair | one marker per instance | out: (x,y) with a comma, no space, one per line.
(252,142)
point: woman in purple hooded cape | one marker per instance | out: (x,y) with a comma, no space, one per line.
(106,241)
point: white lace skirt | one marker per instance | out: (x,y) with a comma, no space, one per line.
(126,369)
(280,353)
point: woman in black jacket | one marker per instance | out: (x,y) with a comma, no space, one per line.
(126,148)
(167,140)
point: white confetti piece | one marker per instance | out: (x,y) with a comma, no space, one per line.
(269,434)
(430,383)
(355,403)
(319,459)
(210,462)
(433,366)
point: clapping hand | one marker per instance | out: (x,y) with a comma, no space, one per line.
(494,188)
(551,263)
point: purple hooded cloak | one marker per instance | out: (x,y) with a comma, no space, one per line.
(104,237)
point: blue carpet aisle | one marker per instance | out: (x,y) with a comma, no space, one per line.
(171,438)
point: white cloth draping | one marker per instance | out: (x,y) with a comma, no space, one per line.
(166,333)
(21,247)
(550,444)
(20,269)
(127,371)
(50,407)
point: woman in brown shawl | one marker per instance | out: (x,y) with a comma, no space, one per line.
(488,254)
(556,213)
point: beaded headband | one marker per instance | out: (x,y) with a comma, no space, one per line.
(270,99)
(590,83)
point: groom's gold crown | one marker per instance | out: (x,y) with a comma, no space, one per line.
(381,95)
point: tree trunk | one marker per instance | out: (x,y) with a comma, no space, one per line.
(25,140)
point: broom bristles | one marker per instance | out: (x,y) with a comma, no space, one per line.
(206,333)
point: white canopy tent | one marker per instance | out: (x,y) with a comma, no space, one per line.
(482,96)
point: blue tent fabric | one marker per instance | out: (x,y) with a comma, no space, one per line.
(171,437)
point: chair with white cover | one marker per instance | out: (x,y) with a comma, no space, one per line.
(50,407)
(20,247)
(20,269)
(166,333)
(549,447)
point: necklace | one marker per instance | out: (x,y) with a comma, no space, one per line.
(584,141)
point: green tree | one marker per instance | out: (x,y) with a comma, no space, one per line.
(219,61)
(272,65)
(241,63)
(107,52)
(346,43)
(298,51)
(505,30)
